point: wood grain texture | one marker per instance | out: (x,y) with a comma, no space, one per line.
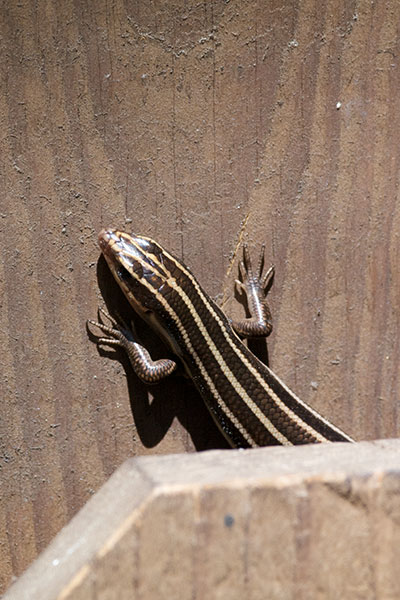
(197,124)
(276,523)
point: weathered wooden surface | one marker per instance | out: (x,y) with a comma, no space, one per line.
(309,522)
(194,123)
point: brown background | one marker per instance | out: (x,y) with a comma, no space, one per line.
(198,124)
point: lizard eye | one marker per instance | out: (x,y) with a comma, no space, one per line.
(123,273)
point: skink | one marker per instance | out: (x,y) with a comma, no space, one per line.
(249,403)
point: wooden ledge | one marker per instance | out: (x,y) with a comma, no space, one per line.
(312,521)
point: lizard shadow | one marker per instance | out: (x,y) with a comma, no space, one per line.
(155,407)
